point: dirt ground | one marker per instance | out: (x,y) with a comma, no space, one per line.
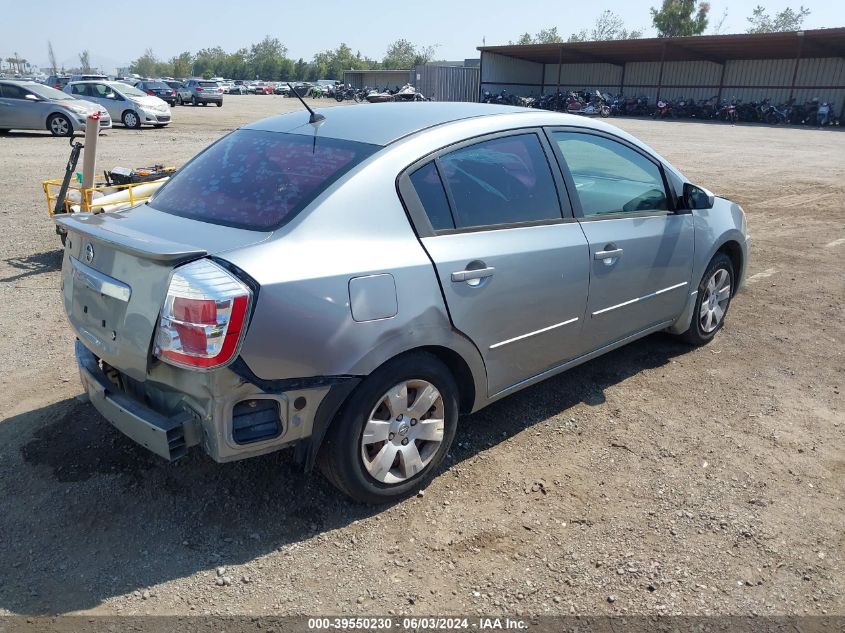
(657,479)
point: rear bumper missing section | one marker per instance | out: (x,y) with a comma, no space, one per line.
(168,437)
(206,409)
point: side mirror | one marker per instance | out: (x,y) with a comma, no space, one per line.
(697,197)
(31,97)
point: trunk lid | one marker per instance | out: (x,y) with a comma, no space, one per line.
(116,272)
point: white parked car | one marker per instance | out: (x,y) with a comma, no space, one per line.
(124,103)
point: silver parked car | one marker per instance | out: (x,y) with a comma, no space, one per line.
(203,92)
(125,103)
(348,287)
(28,105)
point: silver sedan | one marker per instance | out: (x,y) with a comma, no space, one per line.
(349,282)
(28,105)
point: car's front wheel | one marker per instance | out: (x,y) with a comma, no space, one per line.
(59,125)
(712,302)
(394,431)
(131,119)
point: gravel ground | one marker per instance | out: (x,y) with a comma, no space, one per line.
(657,479)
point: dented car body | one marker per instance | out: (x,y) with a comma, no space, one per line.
(247,305)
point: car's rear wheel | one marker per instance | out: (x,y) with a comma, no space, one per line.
(712,302)
(219,104)
(179,100)
(59,125)
(131,119)
(394,431)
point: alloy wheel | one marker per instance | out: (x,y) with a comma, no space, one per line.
(403,432)
(714,304)
(59,126)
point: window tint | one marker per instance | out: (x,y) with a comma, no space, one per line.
(10,91)
(610,177)
(501,181)
(258,180)
(79,89)
(430,190)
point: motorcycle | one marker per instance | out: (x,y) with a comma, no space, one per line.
(591,105)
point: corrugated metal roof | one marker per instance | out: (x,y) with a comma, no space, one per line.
(715,48)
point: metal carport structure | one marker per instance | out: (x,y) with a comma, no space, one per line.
(780,66)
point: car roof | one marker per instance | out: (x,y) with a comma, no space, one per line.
(385,123)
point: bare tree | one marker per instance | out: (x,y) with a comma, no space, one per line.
(52,57)
(85,61)
(717,28)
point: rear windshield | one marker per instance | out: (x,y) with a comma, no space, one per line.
(208,84)
(252,179)
(158,85)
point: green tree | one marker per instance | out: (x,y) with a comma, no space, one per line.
(214,60)
(180,65)
(402,55)
(207,74)
(54,67)
(266,57)
(548,36)
(786,20)
(300,70)
(525,38)
(85,61)
(678,18)
(147,65)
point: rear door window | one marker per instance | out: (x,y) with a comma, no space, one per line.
(258,180)
(80,89)
(430,191)
(504,180)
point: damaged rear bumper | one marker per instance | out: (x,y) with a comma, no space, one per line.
(228,414)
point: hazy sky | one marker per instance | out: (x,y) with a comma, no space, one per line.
(123,30)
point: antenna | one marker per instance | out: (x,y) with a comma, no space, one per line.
(315,118)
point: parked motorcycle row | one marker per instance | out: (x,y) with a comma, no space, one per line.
(374,95)
(591,103)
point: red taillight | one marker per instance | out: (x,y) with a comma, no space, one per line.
(150,92)
(199,89)
(203,317)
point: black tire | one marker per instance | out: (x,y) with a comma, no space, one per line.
(696,334)
(193,101)
(4,131)
(179,100)
(338,97)
(131,119)
(59,125)
(340,457)
(219,104)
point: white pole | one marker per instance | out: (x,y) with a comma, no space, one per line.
(89,156)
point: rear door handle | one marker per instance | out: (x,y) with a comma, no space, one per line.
(616,252)
(467,275)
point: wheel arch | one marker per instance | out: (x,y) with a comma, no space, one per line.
(337,397)
(733,250)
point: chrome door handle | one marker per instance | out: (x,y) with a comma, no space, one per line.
(616,252)
(467,275)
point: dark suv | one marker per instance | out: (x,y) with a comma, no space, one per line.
(158,89)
